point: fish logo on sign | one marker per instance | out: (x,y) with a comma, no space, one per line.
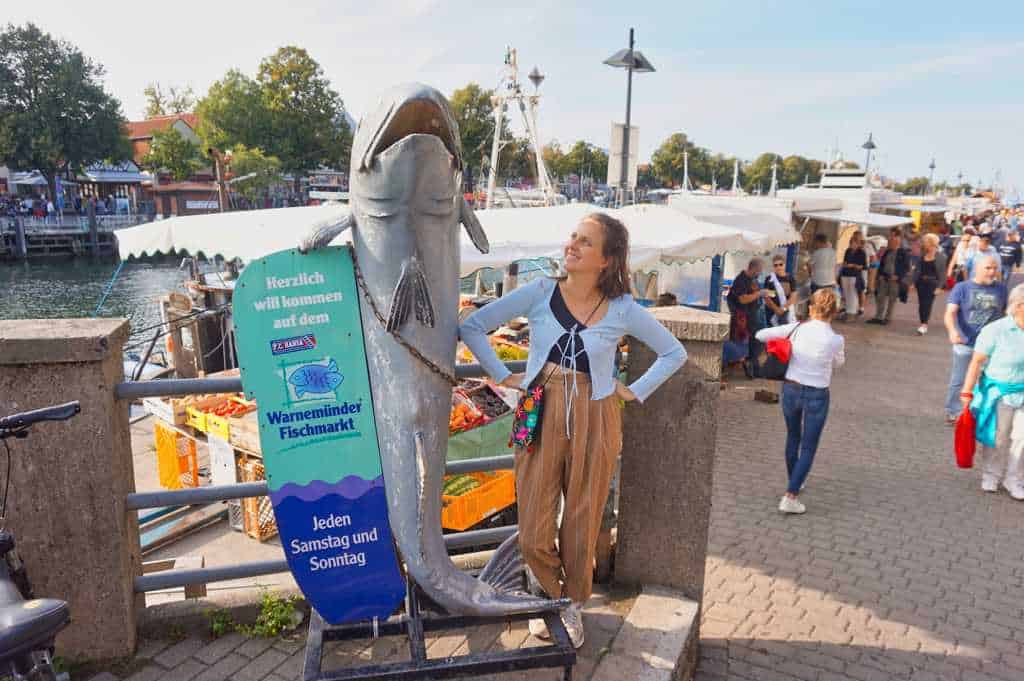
(314,380)
(283,346)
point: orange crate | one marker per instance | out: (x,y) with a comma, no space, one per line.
(221,425)
(258,513)
(497,491)
(176,459)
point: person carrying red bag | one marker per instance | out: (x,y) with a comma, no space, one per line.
(994,391)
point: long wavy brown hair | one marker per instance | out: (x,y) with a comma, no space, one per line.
(614,279)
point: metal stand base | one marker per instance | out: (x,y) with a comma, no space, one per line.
(415,624)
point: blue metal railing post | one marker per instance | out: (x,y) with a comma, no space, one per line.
(715,301)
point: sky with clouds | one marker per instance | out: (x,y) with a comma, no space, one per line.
(928,79)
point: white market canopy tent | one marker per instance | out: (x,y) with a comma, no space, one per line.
(879,220)
(658,234)
(245,235)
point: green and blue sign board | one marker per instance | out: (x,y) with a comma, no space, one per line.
(302,357)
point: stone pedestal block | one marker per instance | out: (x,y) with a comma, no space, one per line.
(667,459)
(70,479)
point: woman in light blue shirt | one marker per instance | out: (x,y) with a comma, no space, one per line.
(576,323)
(994,388)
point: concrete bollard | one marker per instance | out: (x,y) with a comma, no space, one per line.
(667,460)
(70,480)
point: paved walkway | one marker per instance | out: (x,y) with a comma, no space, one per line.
(902,567)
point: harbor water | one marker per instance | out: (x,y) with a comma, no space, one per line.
(73,288)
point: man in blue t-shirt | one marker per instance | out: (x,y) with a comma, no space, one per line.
(971,305)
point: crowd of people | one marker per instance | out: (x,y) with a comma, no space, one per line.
(972,259)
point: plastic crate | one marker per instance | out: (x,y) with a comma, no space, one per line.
(497,491)
(196,414)
(221,425)
(236,517)
(257,511)
(177,463)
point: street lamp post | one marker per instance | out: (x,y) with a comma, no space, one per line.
(631,60)
(868,146)
(931,176)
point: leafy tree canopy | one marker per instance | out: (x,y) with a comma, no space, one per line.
(54,112)
(914,185)
(474,113)
(289,111)
(174,100)
(253,171)
(173,153)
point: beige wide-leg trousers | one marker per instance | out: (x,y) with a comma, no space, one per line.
(580,467)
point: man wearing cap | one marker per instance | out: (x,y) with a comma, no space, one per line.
(984,249)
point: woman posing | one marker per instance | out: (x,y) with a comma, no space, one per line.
(855,261)
(994,388)
(575,325)
(927,278)
(817,349)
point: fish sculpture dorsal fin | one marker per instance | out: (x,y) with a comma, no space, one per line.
(473,228)
(412,294)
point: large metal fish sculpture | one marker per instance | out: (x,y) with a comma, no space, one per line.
(406,200)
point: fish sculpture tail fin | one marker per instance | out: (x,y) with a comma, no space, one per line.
(505,571)
(473,227)
(411,295)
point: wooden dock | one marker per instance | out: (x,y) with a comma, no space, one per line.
(18,242)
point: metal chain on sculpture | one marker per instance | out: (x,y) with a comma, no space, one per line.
(446,375)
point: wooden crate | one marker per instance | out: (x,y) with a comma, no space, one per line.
(244,432)
(166,409)
(257,511)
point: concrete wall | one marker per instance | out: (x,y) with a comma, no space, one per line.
(70,479)
(667,460)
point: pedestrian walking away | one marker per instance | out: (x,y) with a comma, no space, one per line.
(994,389)
(970,306)
(576,323)
(816,351)
(822,264)
(855,261)
(927,278)
(894,265)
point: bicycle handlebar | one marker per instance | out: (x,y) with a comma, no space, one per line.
(57,412)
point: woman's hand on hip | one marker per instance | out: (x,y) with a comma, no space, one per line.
(624,393)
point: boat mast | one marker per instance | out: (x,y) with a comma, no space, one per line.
(775,181)
(735,176)
(509,89)
(686,171)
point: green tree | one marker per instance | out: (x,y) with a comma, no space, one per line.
(758,174)
(587,160)
(232,113)
(253,171)
(667,161)
(516,160)
(307,122)
(289,111)
(175,100)
(914,185)
(54,113)
(554,159)
(171,152)
(473,111)
(795,170)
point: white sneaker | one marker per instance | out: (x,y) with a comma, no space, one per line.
(1016,490)
(791,505)
(989,484)
(572,618)
(539,629)
(922,330)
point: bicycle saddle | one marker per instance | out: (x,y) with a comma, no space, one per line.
(26,625)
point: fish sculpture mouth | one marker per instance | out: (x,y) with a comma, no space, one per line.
(420,110)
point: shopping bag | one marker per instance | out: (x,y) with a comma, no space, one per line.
(964,441)
(776,362)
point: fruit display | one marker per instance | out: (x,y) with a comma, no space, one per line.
(234,406)
(464,415)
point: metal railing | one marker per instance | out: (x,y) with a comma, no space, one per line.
(168,579)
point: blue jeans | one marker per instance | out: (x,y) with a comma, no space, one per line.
(961,360)
(805,409)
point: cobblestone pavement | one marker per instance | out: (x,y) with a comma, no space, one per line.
(902,567)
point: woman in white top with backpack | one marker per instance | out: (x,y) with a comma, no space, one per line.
(816,351)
